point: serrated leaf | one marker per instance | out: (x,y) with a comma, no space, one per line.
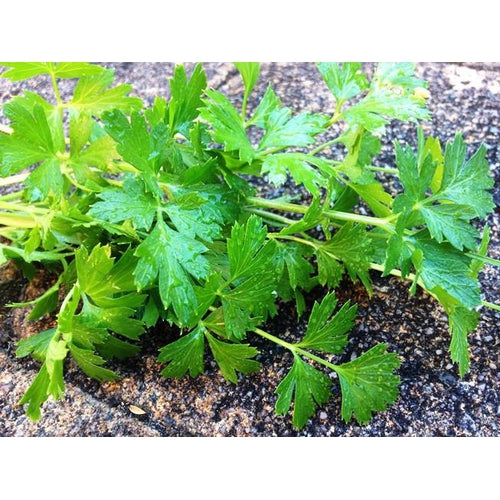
(90,363)
(31,142)
(36,345)
(233,358)
(451,222)
(250,74)
(185,100)
(255,270)
(298,269)
(25,70)
(375,110)
(170,258)
(368,383)
(467,182)
(45,180)
(140,146)
(443,266)
(195,215)
(307,387)
(183,355)
(227,125)
(277,167)
(462,322)
(344,80)
(352,246)
(93,95)
(130,202)
(326,331)
(282,130)
(36,394)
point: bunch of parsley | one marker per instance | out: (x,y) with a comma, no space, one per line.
(148,214)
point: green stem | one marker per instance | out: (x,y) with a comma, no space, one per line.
(482,258)
(490,305)
(19,221)
(11,196)
(323,146)
(13,179)
(244,107)
(332,214)
(387,170)
(270,215)
(296,350)
(57,94)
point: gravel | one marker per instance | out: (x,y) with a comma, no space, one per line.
(434,401)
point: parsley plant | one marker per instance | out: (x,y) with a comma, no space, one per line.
(148,214)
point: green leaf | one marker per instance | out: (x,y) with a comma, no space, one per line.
(467,182)
(269,103)
(196,215)
(380,106)
(36,394)
(375,197)
(36,345)
(444,267)
(90,363)
(92,269)
(476,265)
(397,75)
(462,322)
(282,131)
(255,270)
(93,95)
(185,100)
(233,357)
(307,387)
(31,142)
(351,245)
(250,73)
(451,222)
(46,180)
(227,125)
(183,355)
(278,165)
(130,202)
(344,81)
(298,269)
(25,70)
(368,383)
(326,331)
(462,194)
(171,258)
(140,146)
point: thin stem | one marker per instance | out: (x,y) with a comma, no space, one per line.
(56,90)
(5,205)
(19,221)
(482,258)
(323,146)
(332,214)
(295,349)
(244,107)
(13,179)
(490,305)
(11,196)
(270,215)
(387,170)
(289,237)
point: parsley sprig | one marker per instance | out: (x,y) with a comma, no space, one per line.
(147,214)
